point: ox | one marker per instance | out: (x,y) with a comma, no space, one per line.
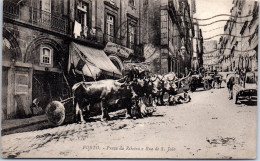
(162,85)
(86,94)
(144,88)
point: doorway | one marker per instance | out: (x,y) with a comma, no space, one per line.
(46,87)
(4,92)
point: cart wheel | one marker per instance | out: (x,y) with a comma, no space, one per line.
(55,112)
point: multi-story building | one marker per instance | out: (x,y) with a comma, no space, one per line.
(210,55)
(167,32)
(197,60)
(47,42)
(34,44)
(239,46)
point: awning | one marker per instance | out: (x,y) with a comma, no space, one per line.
(91,62)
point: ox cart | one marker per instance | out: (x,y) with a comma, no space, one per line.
(208,80)
(64,111)
(196,81)
(90,99)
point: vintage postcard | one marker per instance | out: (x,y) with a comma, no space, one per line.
(154,79)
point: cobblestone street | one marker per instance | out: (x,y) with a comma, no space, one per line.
(209,126)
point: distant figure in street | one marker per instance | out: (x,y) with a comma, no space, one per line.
(230,85)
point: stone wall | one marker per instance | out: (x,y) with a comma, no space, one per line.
(20,69)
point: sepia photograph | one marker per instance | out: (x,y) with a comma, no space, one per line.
(129,79)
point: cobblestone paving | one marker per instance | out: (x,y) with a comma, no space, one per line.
(210,126)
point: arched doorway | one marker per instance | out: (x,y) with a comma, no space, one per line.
(117,62)
(11,50)
(46,56)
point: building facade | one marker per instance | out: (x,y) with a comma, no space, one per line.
(210,55)
(34,44)
(197,58)
(44,41)
(170,49)
(239,46)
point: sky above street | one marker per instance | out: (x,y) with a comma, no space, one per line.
(209,8)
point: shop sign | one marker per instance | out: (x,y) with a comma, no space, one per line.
(118,50)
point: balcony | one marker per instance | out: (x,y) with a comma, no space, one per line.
(35,17)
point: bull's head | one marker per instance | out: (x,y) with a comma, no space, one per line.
(173,85)
(167,85)
(155,86)
(140,82)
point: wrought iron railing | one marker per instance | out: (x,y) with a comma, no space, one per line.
(35,16)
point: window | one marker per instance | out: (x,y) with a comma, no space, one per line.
(131,2)
(110,28)
(82,15)
(45,9)
(41,12)
(131,35)
(45,5)
(46,56)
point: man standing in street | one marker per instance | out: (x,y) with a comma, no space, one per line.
(230,85)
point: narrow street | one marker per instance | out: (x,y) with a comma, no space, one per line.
(210,126)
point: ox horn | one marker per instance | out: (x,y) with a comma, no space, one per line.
(119,84)
(122,80)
